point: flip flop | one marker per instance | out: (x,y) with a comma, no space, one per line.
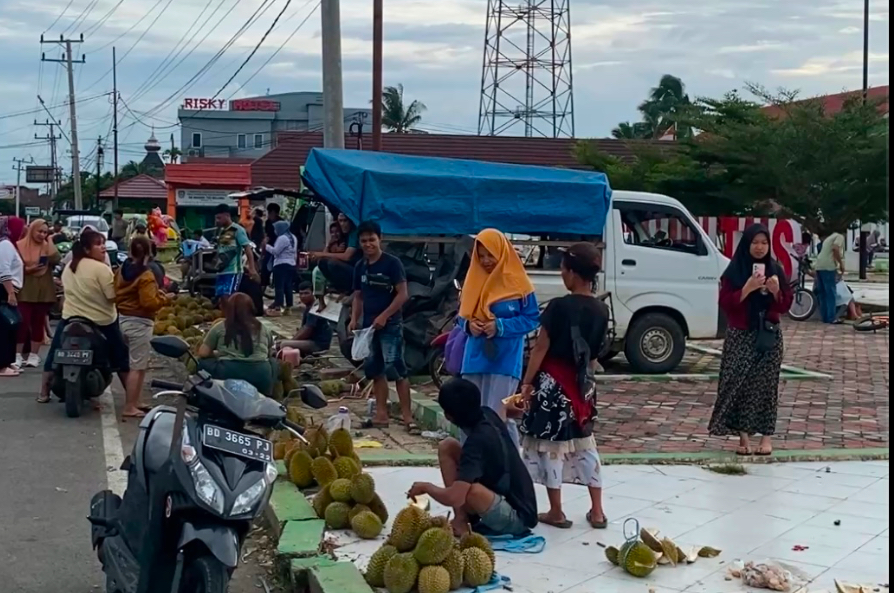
(744,452)
(9,372)
(370,423)
(43,399)
(413,429)
(764,453)
(139,414)
(597,525)
(566,524)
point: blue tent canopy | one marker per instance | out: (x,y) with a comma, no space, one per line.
(409,195)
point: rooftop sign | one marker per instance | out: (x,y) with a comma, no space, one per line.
(254,105)
(203,103)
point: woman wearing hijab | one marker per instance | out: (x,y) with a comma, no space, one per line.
(284,255)
(754,295)
(498,310)
(38,294)
(12,276)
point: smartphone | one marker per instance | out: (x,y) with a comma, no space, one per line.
(760,270)
(43,261)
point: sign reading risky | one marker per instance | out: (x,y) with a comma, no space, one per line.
(254,105)
(201,103)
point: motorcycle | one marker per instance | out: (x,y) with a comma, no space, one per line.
(197,479)
(81,366)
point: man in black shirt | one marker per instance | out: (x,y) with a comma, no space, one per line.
(315,334)
(485,479)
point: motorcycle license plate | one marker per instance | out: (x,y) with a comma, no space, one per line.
(236,443)
(78,357)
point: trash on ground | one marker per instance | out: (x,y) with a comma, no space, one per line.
(367,445)
(762,576)
(841,587)
(435,435)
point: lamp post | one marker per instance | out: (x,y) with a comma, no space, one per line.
(864,235)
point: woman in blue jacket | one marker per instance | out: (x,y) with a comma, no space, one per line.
(498,310)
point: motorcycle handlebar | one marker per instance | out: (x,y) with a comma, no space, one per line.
(160,384)
(296,427)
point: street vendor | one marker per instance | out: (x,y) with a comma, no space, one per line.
(338,266)
(486,482)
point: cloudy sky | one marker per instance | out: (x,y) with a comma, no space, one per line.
(166,52)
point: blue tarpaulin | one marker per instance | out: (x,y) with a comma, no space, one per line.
(409,195)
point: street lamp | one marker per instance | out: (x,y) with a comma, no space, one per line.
(864,236)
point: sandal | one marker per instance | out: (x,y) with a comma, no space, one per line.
(744,452)
(43,399)
(564,524)
(10,372)
(413,429)
(597,524)
(370,423)
(764,452)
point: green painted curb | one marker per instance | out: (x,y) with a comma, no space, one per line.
(299,570)
(301,539)
(342,577)
(788,372)
(289,504)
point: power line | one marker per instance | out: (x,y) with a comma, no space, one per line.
(61,14)
(102,20)
(132,27)
(84,13)
(38,110)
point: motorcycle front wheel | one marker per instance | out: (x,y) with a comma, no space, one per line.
(205,574)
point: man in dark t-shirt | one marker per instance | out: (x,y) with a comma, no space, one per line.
(315,334)
(380,292)
(485,480)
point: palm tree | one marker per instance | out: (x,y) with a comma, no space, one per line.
(629,131)
(397,117)
(132,169)
(173,154)
(665,105)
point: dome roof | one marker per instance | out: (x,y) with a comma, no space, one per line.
(152,144)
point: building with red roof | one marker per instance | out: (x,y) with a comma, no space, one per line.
(835,103)
(195,189)
(139,193)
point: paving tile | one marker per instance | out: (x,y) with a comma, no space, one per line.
(862,509)
(533,577)
(618,582)
(848,524)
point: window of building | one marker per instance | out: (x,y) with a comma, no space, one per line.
(259,140)
(240,141)
(197,140)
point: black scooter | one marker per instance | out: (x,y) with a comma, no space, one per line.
(81,366)
(197,478)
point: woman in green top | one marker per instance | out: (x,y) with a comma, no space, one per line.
(239,347)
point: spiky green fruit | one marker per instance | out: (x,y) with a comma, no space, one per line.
(321,501)
(375,571)
(476,540)
(455,565)
(341,444)
(401,573)
(478,569)
(323,471)
(337,515)
(363,488)
(300,469)
(434,579)
(346,467)
(434,546)
(367,525)
(341,491)
(408,526)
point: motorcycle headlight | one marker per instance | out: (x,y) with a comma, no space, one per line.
(248,499)
(206,487)
(188,453)
(271,473)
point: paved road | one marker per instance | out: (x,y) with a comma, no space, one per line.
(51,466)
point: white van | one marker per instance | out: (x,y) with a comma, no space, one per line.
(662,272)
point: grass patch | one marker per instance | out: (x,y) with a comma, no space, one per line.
(728,469)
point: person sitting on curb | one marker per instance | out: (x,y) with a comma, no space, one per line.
(486,482)
(315,334)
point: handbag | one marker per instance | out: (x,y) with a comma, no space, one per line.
(455,350)
(10,316)
(767,334)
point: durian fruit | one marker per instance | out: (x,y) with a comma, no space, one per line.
(183,322)
(208,317)
(318,439)
(407,528)
(291,449)
(434,546)
(173,331)
(293,414)
(613,554)
(434,579)
(359,508)
(363,487)
(440,522)
(356,458)
(321,502)
(164,312)
(637,559)
(331,388)
(478,568)
(279,451)
(455,566)
(476,540)
(341,491)
(378,507)
(324,472)
(346,468)
(650,538)
(159,328)
(300,471)
(375,571)
(341,444)
(367,525)
(278,392)
(337,515)
(401,573)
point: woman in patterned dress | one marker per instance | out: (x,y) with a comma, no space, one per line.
(558,442)
(753,290)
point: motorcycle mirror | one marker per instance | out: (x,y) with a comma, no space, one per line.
(170,346)
(311,396)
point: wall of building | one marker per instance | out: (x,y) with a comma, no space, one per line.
(227,133)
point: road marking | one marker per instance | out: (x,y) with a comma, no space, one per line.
(111,444)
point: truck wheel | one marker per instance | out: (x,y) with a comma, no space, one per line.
(655,344)
(205,574)
(74,401)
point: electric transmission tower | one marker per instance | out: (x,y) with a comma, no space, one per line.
(526,80)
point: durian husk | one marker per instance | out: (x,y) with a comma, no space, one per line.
(709,552)
(670,550)
(612,554)
(650,538)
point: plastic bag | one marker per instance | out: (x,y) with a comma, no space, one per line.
(362,346)
(454,351)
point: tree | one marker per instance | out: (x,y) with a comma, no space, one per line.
(173,154)
(661,113)
(629,131)
(132,169)
(396,116)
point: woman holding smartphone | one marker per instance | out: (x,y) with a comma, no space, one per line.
(753,292)
(38,292)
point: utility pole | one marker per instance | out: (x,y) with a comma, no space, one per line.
(75,155)
(333,94)
(19,166)
(99,155)
(864,235)
(378,41)
(51,138)
(115,123)
(356,128)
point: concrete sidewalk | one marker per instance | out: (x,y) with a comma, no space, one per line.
(762,516)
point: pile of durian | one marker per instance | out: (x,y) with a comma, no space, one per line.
(184,316)
(641,555)
(422,554)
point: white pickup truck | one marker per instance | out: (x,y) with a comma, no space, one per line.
(662,291)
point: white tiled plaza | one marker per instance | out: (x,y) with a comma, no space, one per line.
(764,515)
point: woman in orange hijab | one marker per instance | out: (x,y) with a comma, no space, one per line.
(38,292)
(498,310)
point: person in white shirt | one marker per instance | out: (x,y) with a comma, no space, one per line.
(12,276)
(284,256)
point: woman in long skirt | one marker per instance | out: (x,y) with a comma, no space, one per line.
(558,442)
(754,294)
